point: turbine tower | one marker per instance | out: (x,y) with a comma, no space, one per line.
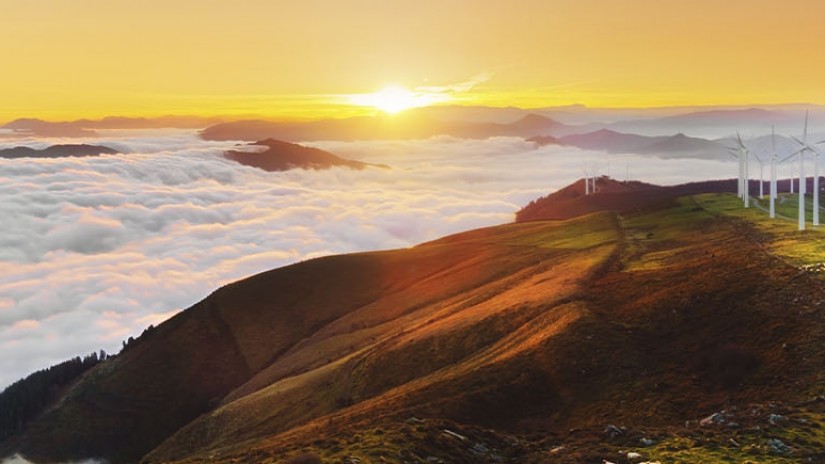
(773,174)
(744,177)
(811,148)
(761,176)
(801,154)
(790,178)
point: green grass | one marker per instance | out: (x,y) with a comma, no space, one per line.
(580,233)
(803,431)
(786,241)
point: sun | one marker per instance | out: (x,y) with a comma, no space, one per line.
(393,99)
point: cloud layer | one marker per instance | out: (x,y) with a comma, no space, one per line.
(93,250)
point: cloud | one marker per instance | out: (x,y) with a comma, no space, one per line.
(459,87)
(92,250)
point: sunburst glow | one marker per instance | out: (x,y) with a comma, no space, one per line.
(393,99)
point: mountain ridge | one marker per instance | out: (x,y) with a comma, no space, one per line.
(57,151)
(282,156)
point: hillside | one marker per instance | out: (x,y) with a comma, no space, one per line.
(518,343)
(282,156)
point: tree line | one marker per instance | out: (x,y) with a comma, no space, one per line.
(25,399)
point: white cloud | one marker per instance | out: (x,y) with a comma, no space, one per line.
(92,250)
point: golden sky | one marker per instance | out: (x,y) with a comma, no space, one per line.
(65,59)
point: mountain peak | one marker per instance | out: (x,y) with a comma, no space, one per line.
(535,120)
(283,156)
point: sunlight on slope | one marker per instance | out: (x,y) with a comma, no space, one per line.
(457,301)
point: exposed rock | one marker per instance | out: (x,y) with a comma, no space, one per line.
(778,447)
(612,431)
(450,433)
(716,418)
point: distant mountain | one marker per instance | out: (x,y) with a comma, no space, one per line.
(609,141)
(724,117)
(85,127)
(765,146)
(542,140)
(159,122)
(533,124)
(40,128)
(282,156)
(678,145)
(402,126)
(712,122)
(57,151)
(681,143)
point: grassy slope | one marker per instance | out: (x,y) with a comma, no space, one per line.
(432,330)
(704,309)
(126,407)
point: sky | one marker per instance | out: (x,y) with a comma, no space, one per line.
(66,59)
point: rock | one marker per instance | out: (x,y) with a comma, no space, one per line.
(612,431)
(634,456)
(776,419)
(413,420)
(450,433)
(479,449)
(713,419)
(778,447)
(646,441)
(557,449)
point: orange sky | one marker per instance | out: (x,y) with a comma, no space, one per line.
(88,58)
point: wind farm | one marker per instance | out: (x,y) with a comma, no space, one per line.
(743,153)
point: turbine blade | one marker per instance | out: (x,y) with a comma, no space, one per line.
(739,140)
(805,134)
(791,155)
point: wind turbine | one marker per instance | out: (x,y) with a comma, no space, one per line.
(744,177)
(586,181)
(801,154)
(593,179)
(593,171)
(807,147)
(773,174)
(761,176)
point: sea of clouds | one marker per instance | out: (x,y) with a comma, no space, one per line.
(93,250)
